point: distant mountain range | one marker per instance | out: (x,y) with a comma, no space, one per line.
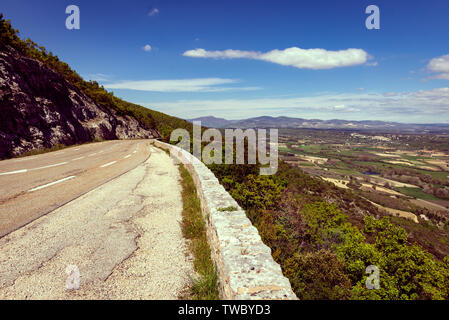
(286,122)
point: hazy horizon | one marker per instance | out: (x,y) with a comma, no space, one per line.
(312,119)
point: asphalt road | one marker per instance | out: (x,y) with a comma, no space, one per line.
(33,186)
(121,240)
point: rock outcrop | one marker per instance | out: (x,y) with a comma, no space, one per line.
(39,108)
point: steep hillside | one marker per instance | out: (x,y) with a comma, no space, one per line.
(44,103)
(39,108)
(325,237)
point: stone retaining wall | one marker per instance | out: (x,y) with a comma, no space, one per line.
(245,268)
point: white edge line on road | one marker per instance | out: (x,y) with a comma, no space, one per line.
(128,156)
(108,164)
(51,184)
(50,166)
(13,172)
(93,154)
(80,158)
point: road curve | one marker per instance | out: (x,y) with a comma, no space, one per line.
(33,186)
(122,240)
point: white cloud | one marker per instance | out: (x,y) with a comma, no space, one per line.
(420,106)
(98,77)
(391,94)
(441,76)
(225,54)
(439,65)
(182,85)
(153,12)
(147,48)
(300,58)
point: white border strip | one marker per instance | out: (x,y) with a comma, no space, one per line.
(50,166)
(108,164)
(13,172)
(51,184)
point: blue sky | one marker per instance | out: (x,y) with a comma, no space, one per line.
(238,59)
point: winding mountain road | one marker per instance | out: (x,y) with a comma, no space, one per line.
(107,214)
(33,186)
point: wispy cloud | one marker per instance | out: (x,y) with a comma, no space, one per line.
(98,77)
(296,57)
(439,65)
(181,85)
(147,48)
(419,106)
(153,12)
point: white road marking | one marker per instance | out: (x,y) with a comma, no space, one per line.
(77,149)
(76,159)
(108,164)
(13,172)
(25,159)
(93,154)
(50,166)
(51,184)
(135,151)
(128,156)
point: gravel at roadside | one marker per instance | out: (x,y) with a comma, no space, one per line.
(124,238)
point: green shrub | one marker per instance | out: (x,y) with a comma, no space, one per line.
(257,192)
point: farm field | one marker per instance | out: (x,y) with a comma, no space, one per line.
(402,170)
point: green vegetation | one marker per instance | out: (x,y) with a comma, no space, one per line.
(149,119)
(228,209)
(324,238)
(312,148)
(193,228)
(416,193)
(256,192)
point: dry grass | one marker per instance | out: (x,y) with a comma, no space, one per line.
(428,205)
(397,213)
(393,183)
(338,183)
(444,165)
(368,186)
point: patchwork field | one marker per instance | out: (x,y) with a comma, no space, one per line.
(410,169)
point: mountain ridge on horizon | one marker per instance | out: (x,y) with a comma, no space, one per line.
(291,122)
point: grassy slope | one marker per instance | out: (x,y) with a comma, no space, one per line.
(194,229)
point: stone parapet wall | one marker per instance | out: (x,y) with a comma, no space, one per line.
(245,268)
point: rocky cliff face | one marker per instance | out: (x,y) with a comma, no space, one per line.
(39,108)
